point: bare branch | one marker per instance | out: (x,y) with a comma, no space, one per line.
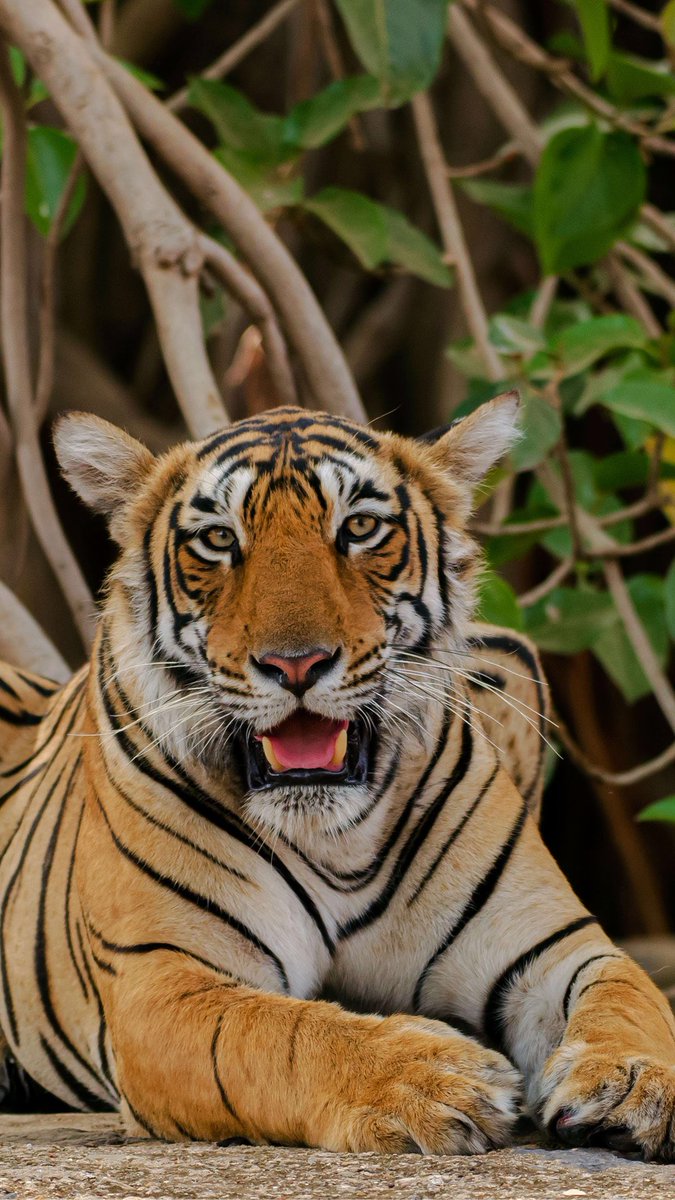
(646,19)
(452,233)
(162,241)
(631,297)
(251,296)
(494,85)
(234,54)
(306,327)
(639,640)
(626,550)
(20,401)
(24,644)
(557,576)
(505,155)
(651,273)
(516,42)
(613,778)
(544,297)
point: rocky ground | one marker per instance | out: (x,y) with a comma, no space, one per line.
(80,1157)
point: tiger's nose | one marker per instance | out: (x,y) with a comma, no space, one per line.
(297,672)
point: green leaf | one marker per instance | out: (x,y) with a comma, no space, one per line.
(398,41)
(49,159)
(237,122)
(356,219)
(630,78)
(569,621)
(669,599)
(17,63)
(616,652)
(377,234)
(647,400)
(594,21)
(411,249)
(315,121)
(587,191)
(578,346)
(513,335)
(498,603)
(625,469)
(261,181)
(541,425)
(193,9)
(660,810)
(512,201)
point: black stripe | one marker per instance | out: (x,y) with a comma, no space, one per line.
(195,898)
(40,965)
(227,1103)
(582,967)
(22,718)
(421,831)
(88,1100)
(493,1014)
(152,948)
(454,835)
(480,896)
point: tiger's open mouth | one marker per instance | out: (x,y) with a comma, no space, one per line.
(307,749)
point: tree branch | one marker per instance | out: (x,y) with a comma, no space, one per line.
(516,42)
(234,54)
(20,400)
(306,327)
(251,296)
(24,644)
(452,233)
(162,241)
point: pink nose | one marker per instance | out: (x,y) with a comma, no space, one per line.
(297,672)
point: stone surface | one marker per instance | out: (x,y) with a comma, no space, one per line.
(80,1157)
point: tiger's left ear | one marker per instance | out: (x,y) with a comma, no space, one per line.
(469,447)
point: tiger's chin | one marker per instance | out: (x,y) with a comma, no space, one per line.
(308,816)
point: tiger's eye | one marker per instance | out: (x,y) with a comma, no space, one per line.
(361,526)
(218,538)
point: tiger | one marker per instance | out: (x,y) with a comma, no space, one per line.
(270,866)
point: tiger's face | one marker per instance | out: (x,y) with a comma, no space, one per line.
(274,575)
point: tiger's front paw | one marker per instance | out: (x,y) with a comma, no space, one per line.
(622,1101)
(420,1086)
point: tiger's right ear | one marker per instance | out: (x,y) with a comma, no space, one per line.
(104,465)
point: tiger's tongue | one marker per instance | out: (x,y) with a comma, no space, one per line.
(305,741)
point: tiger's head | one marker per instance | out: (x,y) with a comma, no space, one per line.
(274,582)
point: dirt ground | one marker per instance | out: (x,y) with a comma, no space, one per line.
(77,1157)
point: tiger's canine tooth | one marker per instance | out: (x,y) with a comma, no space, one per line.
(340,749)
(271,757)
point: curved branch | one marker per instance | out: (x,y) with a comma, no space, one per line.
(234,54)
(251,296)
(452,233)
(161,239)
(20,399)
(24,644)
(322,360)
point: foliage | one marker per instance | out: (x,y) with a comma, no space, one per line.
(584,362)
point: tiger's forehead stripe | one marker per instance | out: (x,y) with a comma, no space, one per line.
(289,452)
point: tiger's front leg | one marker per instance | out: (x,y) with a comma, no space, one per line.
(612,1079)
(202,1057)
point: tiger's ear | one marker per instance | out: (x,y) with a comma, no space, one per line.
(470,446)
(104,465)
